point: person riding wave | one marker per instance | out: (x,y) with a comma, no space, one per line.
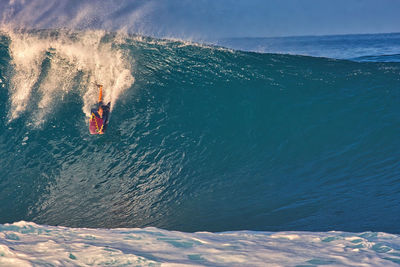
(99,118)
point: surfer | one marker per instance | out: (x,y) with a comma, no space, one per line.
(99,118)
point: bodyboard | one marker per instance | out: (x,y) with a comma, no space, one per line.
(95,124)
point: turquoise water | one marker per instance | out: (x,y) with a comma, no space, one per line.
(205,138)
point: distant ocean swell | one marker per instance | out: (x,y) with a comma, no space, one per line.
(200,137)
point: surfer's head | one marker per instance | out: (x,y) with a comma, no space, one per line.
(100,111)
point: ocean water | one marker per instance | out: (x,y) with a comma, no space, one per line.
(384,47)
(201,138)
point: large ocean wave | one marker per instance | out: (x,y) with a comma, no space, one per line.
(200,137)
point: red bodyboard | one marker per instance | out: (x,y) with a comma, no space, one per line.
(95,124)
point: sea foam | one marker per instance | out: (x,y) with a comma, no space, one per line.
(51,64)
(29,244)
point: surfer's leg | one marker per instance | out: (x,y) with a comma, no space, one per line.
(106,107)
(100,93)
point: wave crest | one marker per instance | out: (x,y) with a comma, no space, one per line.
(48,65)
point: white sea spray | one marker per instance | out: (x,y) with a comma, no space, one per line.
(49,64)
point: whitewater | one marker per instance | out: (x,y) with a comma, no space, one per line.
(29,244)
(231,152)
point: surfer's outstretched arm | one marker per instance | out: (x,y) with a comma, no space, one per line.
(100,93)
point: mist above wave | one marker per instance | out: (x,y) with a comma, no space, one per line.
(185,20)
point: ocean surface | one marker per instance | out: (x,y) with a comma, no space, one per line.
(384,47)
(201,137)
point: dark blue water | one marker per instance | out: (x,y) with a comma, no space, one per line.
(204,139)
(356,47)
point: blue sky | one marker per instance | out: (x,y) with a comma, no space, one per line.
(210,19)
(262,18)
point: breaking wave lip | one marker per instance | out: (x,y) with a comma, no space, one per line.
(25,243)
(140,17)
(48,64)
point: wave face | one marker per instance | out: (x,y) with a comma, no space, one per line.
(200,138)
(27,244)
